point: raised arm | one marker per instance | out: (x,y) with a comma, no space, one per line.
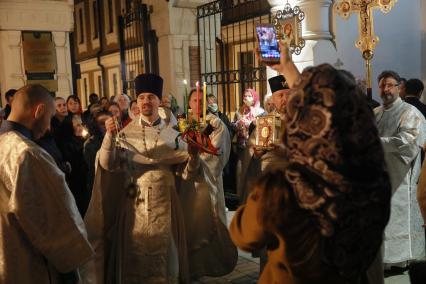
(286,67)
(108,154)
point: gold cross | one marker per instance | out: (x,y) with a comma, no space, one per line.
(367,39)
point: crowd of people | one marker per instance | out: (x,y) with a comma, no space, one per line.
(113,195)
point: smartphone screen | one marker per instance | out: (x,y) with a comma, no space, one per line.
(268,43)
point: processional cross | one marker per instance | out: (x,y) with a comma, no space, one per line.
(367,39)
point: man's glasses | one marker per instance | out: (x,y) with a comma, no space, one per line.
(388,86)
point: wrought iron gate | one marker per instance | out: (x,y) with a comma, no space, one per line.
(138,45)
(227,42)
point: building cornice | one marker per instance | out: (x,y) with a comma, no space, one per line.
(37,15)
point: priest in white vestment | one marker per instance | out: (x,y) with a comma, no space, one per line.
(258,162)
(402,129)
(41,231)
(134,218)
(210,249)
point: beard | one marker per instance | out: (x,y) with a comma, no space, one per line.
(147,110)
(388,98)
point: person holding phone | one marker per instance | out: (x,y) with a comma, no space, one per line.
(315,215)
(268,44)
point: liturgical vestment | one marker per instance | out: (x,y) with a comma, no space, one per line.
(138,239)
(41,231)
(210,249)
(253,166)
(402,130)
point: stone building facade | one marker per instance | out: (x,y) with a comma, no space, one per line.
(47,22)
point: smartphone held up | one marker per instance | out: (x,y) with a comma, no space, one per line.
(268,43)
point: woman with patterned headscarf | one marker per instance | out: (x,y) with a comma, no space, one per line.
(322,218)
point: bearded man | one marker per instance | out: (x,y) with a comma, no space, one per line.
(402,132)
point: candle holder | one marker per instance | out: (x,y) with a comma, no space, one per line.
(194,131)
(196,134)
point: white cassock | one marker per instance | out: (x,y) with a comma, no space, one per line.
(210,249)
(253,166)
(138,239)
(41,231)
(402,129)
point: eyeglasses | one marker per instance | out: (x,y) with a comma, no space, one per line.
(388,86)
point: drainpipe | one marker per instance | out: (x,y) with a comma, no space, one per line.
(101,36)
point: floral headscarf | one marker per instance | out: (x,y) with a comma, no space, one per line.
(336,175)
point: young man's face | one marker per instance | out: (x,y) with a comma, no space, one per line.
(61,107)
(148,103)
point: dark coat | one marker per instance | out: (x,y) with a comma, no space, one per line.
(91,148)
(415,101)
(71,148)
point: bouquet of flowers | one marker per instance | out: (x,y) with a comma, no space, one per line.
(195,135)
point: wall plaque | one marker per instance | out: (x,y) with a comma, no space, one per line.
(39,52)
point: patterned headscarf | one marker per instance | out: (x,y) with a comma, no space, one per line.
(336,167)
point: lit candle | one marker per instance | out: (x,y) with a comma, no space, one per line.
(204,103)
(198,101)
(185,99)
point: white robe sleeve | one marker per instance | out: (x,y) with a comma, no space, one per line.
(407,140)
(46,212)
(108,156)
(220,139)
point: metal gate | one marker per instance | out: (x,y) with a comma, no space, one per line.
(227,42)
(138,45)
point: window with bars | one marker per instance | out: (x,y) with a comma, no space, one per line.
(100,87)
(81,28)
(110,16)
(247,67)
(95,19)
(115,83)
(85,87)
(227,40)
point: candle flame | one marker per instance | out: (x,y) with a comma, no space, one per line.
(85,133)
(197,84)
(185,82)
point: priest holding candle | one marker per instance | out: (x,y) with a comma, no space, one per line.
(210,250)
